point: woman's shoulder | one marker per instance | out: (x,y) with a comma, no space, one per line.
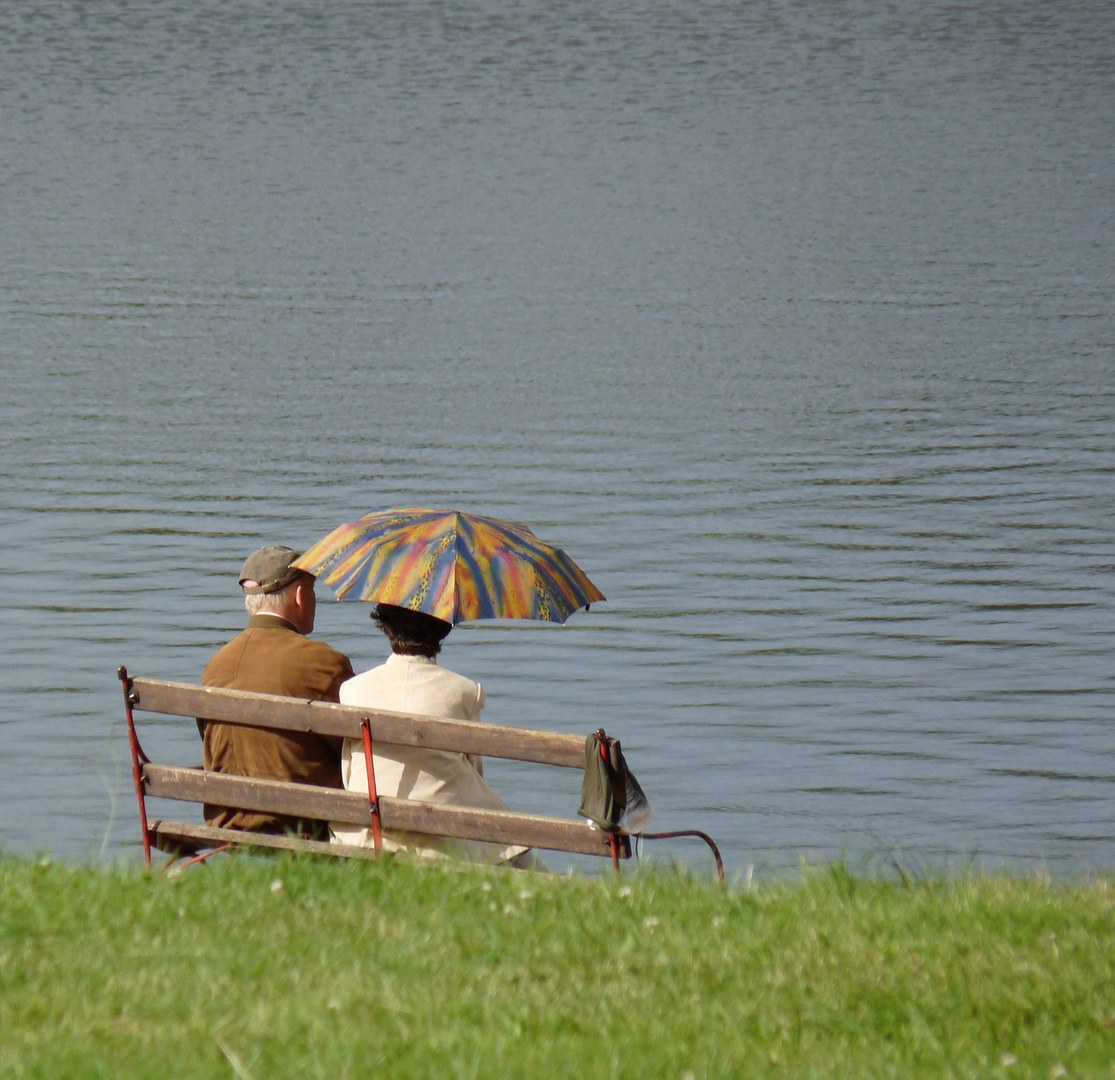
(415,683)
(468,690)
(359,684)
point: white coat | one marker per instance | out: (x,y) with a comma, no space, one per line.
(415,684)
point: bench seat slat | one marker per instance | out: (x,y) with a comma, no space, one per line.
(174,836)
(404,815)
(326,718)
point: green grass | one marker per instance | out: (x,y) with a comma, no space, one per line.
(255,968)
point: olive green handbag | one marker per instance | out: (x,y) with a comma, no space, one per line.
(611,797)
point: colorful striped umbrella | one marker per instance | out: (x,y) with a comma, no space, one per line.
(457,567)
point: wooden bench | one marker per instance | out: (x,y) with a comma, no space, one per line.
(195,785)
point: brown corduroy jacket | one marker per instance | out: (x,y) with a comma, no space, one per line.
(272,657)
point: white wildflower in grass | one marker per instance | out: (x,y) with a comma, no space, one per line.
(1007,1060)
(650,922)
(276,885)
(1057,1072)
(624,893)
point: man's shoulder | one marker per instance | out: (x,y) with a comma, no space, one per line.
(325,651)
(318,653)
(240,659)
(215,673)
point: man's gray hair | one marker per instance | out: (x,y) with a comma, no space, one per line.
(274,601)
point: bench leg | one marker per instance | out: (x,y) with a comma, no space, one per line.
(613,843)
(691,832)
(138,758)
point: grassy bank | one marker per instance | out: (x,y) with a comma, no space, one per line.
(261,969)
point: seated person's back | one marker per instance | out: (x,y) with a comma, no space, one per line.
(411,681)
(274,656)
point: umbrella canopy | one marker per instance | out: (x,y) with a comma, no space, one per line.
(457,567)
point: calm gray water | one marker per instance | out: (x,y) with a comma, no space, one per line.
(791,322)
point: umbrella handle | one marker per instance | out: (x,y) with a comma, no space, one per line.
(373,795)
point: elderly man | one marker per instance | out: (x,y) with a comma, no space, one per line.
(274,656)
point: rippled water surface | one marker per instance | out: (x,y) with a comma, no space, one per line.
(792,323)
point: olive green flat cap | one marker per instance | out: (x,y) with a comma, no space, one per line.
(268,570)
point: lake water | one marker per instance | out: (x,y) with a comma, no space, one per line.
(791,322)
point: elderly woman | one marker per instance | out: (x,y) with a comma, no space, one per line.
(411,681)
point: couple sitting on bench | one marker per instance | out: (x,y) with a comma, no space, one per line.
(275,656)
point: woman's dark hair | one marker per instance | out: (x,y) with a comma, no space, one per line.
(411,633)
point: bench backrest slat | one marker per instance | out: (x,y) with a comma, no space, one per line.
(324,804)
(326,718)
